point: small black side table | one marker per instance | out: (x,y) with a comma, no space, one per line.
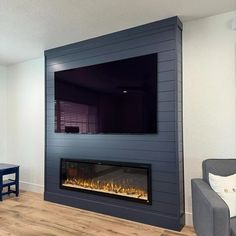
(6,169)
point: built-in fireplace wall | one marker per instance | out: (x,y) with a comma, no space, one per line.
(162,150)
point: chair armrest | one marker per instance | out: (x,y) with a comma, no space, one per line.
(210,212)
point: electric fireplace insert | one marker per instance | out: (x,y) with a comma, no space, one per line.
(123,180)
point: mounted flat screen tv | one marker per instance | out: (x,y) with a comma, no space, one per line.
(118,97)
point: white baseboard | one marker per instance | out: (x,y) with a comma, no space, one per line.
(188,218)
(37,188)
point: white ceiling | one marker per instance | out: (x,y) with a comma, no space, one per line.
(28,27)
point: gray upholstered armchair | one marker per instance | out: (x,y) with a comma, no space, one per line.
(210,212)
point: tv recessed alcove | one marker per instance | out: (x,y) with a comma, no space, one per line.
(114,114)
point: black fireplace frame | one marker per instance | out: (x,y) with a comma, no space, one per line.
(146,166)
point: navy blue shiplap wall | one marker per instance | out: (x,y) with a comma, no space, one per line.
(162,150)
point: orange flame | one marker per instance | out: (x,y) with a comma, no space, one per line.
(124,189)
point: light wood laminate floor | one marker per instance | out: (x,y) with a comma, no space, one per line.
(30,215)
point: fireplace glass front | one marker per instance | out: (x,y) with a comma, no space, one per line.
(129,181)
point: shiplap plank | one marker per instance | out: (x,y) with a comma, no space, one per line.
(166,76)
(166,86)
(151,38)
(166,66)
(122,155)
(160,146)
(166,55)
(104,57)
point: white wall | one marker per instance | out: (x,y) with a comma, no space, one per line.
(25,116)
(3,116)
(209,46)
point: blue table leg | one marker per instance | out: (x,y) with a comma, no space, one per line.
(17,182)
(1,188)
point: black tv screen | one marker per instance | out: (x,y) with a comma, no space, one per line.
(118,97)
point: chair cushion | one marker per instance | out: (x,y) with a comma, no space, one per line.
(233,226)
(223,167)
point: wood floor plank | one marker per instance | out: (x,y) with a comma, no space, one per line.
(30,215)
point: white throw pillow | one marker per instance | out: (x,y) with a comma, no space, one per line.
(225,187)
